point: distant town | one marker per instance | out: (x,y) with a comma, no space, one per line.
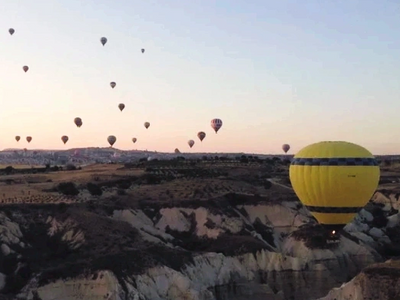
(85,156)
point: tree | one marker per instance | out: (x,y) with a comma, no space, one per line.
(9,170)
(94,189)
(68,189)
(267,185)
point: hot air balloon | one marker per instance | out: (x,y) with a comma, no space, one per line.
(146,124)
(103,40)
(28,139)
(78,122)
(134,140)
(17,138)
(121,106)
(334,180)
(25,68)
(11,31)
(142,50)
(113,84)
(111,140)
(177,151)
(286,147)
(65,139)
(190,143)
(201,135)
(216,124)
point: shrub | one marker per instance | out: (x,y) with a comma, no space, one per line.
(267,185)
(70,167)
(9,170)
(124,184)
(94,189)
(67,188)
(121,192)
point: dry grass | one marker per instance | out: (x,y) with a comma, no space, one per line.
(181,186)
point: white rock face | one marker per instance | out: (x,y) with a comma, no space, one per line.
(193,281)
(102,285)
(10,232)
(141,222)
(162,283)
(276,215)
(175,218)
(73,236)
(2,281)
(380,282)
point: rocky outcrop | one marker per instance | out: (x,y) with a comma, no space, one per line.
(378,281)
(201,251)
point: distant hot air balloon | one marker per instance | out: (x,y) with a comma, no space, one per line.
(25,68)
(177,151)
(134,140)
(121,106)
(113,84)
(216,124)
(201,135)
(286,147)
(142,50)
(65,139)
(28,139)
(103,40)
(78,122)
(146,124)
(11,31)
(111,140)
(334,180)
(17,138)
(190,143)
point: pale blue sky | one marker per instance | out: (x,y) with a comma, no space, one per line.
(275,72)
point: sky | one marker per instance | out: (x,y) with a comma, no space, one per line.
(275,72)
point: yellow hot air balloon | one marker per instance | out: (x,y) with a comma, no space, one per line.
(334,180)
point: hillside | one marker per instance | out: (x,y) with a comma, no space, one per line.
(179,229)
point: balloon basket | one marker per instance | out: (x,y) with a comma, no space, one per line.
(318,236)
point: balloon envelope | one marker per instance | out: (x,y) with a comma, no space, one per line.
(334,180)
(11,31)
(121,106)
(146,124)
(285,147)
(64,138)
(17,138)
(25,68)
(111,140)
(190,143)
(113,84)
(78,122)
(201,135)
(103,40)
(28,139)
(216,124)
(134,140)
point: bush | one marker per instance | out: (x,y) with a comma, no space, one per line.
(121,192)
(124,184)
(267,185)
(70,167)
(94,189)
(8,170)
(68,189)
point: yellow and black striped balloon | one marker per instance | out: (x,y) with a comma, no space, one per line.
(334,180)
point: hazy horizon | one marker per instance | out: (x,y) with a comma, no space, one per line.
(275,72)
